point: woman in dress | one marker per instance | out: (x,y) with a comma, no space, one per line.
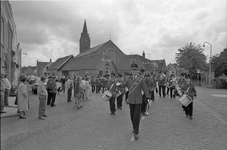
(78,92)
(22,96)
(87,88)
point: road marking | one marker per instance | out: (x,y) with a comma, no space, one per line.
(219,95)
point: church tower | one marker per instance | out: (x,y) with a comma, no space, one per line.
(84,39)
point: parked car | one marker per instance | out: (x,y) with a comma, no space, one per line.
(35,85)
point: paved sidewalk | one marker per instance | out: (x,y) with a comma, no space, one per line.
(91,128)
(10,110)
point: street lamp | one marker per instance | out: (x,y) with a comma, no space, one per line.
(210,61)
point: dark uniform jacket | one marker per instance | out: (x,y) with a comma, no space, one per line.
(112,89)
(189,89)
(136,96)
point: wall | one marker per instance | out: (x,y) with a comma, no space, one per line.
(8,44)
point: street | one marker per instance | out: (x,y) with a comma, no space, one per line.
(93,128)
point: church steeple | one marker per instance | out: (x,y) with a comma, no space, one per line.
(84,39)
(85,28)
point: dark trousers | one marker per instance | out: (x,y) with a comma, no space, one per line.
(51,98)
(103,88)
(69,95)
(162,91)
(135,110)
(144,104)
(112,104)
(126,95)
(92,88)
(119,101)
(170,90)
(151,93)
(48,96)
(63,88)
(97,88)
(6,96)
(189,110)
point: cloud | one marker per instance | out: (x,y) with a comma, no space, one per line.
(51,29)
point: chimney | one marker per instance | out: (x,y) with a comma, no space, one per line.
(50,60)
(143,54)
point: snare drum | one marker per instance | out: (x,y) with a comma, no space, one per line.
(185,100)
(107,95)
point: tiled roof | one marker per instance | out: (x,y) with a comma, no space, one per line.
(125,63)
(60,62)
(84,62)
(92,50)
(41,65)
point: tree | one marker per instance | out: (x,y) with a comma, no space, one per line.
(191,57)
(219,63)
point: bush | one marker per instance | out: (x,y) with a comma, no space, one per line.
(222,82)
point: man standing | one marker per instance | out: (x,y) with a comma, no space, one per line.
(161,84)
(7,89)
(52,87)
(69,85)
(111,86)
(2,91)
(135,85)
(42,95)
(120,92)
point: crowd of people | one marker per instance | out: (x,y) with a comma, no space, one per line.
(138,87)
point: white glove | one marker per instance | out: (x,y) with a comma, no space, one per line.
(118,84)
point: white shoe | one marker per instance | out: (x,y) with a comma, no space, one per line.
(147,113)
(143,117)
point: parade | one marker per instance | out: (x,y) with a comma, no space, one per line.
(113,75)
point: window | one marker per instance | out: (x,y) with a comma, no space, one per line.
(2,31)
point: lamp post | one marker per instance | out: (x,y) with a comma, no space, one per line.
(210,62)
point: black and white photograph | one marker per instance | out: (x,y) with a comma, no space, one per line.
(113,74)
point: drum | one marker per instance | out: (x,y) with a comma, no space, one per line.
(107,95)
(118,94)
(185,100)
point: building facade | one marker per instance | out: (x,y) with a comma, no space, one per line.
(9,48)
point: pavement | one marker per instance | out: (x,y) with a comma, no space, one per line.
(93,128)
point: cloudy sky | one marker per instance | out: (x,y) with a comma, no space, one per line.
(51,29)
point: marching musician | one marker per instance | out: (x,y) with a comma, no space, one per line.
(189,88)
(120,91)
(181,82)
(111,86)
(135,85)
(153,86)
(161,84)
(171,85)
(144,99)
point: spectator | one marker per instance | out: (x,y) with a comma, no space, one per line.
(2,91)
(23,98)
(69,86)
(7,89)
(42,95)
(78,92)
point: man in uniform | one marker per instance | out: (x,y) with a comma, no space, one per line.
(136,85)
(111,86)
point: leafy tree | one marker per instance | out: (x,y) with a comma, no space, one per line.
(191,57)
(219,63)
